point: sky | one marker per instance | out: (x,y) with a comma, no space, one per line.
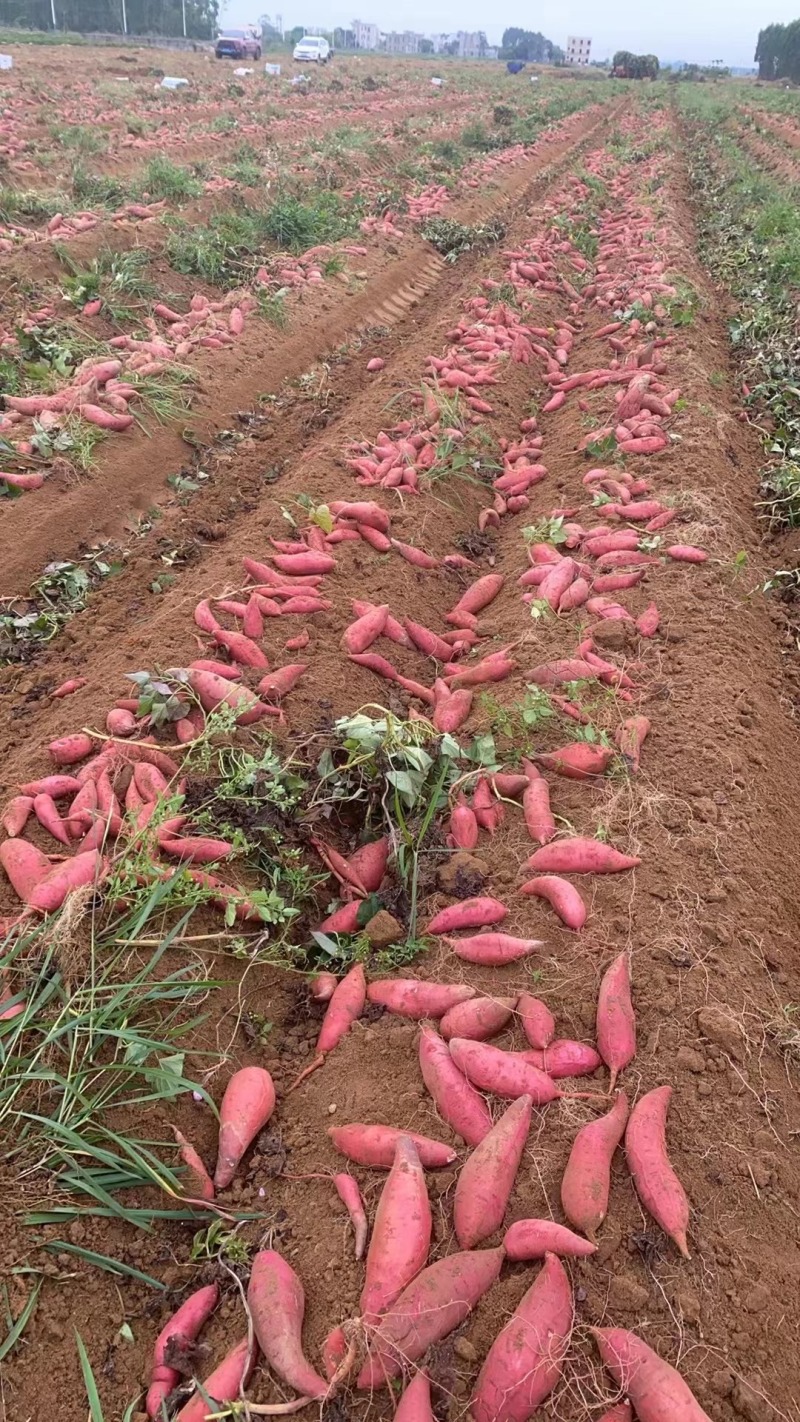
(684,29)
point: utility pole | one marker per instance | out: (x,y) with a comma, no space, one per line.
(124,19)
(53,13)
(183,10)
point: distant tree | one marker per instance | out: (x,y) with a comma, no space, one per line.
(769,50)
(426,46)
(451,47)
(294,36)
(634,66)
(529,46)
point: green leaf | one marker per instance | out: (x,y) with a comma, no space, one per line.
(101,1261)
(18,1328)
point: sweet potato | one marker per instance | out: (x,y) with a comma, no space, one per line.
(478,1019)
(432,1305)
(486,1178)
(363,632)
(564,1057)
(25,866)
(57,786)
(225,1384)
(280,682)
(401,1233)
(616,1024)
(538,1022)
(526,1359)
(342,920)
(494,668)
(577,761)
(586,1182)
(462,826)
(508,785)
(302,563)
(562,896)
(457,1101)
(49,894)
(415,1403)
(413,997)
(488,812)
(620,1412)
(493,949)
(68,750)
(369,863)
(648,622)
(469,913)
(479,594)
(213,691)
(375,1146)
(506,1074)
(195,849)
(346,1005)
(184,1327)
(657,1185)
(536,806)
(276,1301)
(656,1389)
(200,1186)
(323,986)
(68,688)
(630,737)
(247,1105)
(581,855)
(532,1239)
(15,815)
(451,711)
(427,642)
(350,1196)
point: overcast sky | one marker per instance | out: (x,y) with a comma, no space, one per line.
(694,30)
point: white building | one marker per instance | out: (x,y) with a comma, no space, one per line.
(578,50)
(366,36)
(471,45)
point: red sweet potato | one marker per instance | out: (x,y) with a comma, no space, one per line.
(488,812)
(277,1303)
(538,1022)
(493,949)
(479,594)
(469,913)
(369,863)
(565,1058)
(562,896)
(225,1384)
(363,632)
(577,761)
(342,920)
(486,1178)
(630,737)
(302,563)
(657,1185)
(656,1389)
(478,1019)
(415,1403)
(213,691)
(532,1239)
(462,826)
(413,997)
(536,806)
(526,1359)
(616,1024)
(428,642)
(25,866)
(581,855)
(401,1233)
(506,1074)
(184,1326)
(57,786)
(15,815)
(350,1196)
(247,1105)
(49,894)
(432,1305)
(457,1101)
(586,1182)
(375,1146)
(200,1186)
(68,750)
(344,1008)
(280,682)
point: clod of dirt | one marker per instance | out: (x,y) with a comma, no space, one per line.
(183,1355)
(463,875)
(383,930)
(722,1030)
(749,1401)
(626,1296)
(612,634)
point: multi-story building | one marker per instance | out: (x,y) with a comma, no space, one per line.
(366,36)
(578,50)
(471,46)
(405,43)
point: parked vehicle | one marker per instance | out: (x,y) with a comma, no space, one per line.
(312,49)
(237,44)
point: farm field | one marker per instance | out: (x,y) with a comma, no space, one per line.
(398,581)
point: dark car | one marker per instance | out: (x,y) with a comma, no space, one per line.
(237,44)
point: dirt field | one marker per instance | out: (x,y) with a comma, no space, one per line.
(567,209)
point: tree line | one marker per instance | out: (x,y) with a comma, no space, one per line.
(529,46)
(141,17)
(778,52)
(634,66)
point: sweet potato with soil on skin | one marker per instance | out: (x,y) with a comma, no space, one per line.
(619,1413)
(412,997)
(350,1196)
(538,1022)
(427,642)
(450,712)
(616,1023)
(302,564)
(630,738)
(456,1100)
(401,1233)
(25,866)
(526,1359)
(586,1183)
(375,1146)
(342,920)
(276,1301)
(281,681)
(487,1177)
(656,1389)
(200,1184)
(49,894)
(225,1384)
(415,1402)
(68,750)
(68,688)
(430,1308)
(493,949)
(491,669)
(345,1007)
(564,669)
(363,632)
(485,807)
(323,986)
(365,512)
(57,786)
(562,896)
(184,1326)
(478,1019)
(247,1105)
(581,855)
(532,1239)
(370,861)
(577,761)
(479,594)
(16,812)
(462,827)
(647,623)
(469,913)
(657,1185)
(536,806)
(565,1058)
(213,691)
(195,849)
(685,553)
(505,1074)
